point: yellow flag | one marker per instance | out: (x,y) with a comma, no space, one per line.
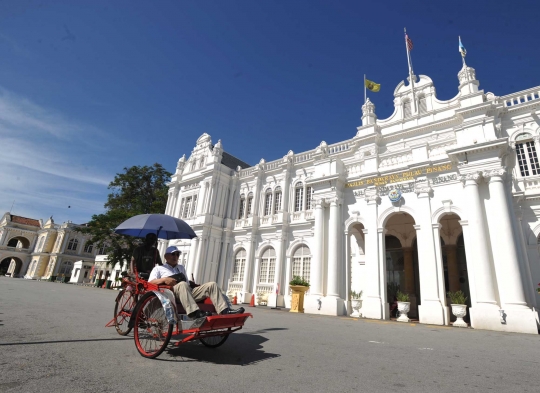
(372,86)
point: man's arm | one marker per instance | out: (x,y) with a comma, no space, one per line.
(155,278)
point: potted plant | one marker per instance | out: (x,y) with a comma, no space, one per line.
(459,308)
(356,300)
(298,286)
(403,305)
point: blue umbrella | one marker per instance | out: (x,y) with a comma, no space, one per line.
(163,225)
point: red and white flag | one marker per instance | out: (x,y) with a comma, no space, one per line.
(409,42)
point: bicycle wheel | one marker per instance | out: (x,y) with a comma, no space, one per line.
(214,341)
(152,329)
(122,311)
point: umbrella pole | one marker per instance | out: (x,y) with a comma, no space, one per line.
(156,251)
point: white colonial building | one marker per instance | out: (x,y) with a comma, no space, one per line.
(441,196)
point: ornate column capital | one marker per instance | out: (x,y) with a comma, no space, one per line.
(371,195)
(422,186)
(333,201)
(498,174)
(320,203)
(471,177)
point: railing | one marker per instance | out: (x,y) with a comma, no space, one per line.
(243,222)
(303,157)
(234,288)
(532,183)
(339,147)
(271,165)
(265,288)
(355,169)
(15,249)
(308,215)
(397,159)
(297,216)
(521,97)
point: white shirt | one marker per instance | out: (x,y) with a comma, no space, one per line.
(166,270)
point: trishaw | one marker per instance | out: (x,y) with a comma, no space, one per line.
(156,316)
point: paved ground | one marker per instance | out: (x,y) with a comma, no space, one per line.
(52,338)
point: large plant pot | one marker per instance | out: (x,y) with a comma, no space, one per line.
(297,301)
(403,308)
(356,305)
(459,310)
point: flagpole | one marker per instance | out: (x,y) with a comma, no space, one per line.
(410,70)
(365,92)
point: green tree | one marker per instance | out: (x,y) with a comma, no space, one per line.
(138,190)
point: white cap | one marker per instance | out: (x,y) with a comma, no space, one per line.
(172,249)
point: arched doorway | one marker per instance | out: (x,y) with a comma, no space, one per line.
(401,259)
(356,269)
(456,277)
(11,266)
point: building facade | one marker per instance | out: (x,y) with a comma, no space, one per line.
(441,196)
(33,250)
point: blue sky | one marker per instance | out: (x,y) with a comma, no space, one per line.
(86,90)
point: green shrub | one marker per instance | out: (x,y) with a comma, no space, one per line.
(457,297)
(356,295)
(297,280)
(402,297)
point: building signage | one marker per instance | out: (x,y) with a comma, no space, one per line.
(400,176)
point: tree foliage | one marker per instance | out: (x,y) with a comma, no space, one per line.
(138,190)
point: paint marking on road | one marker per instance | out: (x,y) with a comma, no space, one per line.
(349,319)
(376,342)
(426,349)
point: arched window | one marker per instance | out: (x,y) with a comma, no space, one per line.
(422,105)
(277,199)
(72,245)
(249,203)
(309,198)
(242,207)
(202,162)
(301,265)
(268,202)
(407,111)
(267,268)
(88,247)
(298,197)
(526,155)
(239,266)
(40,244)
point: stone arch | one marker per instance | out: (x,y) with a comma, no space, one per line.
(444,210)
(12,265)
(294,245)
(351,221)
(385,215)
(534,234)
(19,242)
(263,247)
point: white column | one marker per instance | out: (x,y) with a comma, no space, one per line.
(201,199)
(505,253)
(431,309)
(316,279)
(375,300)
(485,280)
(200,254)
(249,267)
(333,244)
(223,260)
(279,263)
(193,251)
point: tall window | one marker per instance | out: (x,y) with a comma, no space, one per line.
(239,266)
(527,158)
(277,199)
(40,244)
(187,207)
(66,268)
(88,248)
(267,268)
(407,111)
(302,262)
(249,203)
(202,162)
(242,207)
(268,202)
(72,245)
(101,250)
(298,197)
(309,198)
(422,105)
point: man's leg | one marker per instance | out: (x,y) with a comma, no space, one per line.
(183,293)
(211,290)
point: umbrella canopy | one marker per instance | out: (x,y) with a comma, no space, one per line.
(163,225)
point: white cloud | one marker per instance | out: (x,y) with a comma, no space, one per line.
(45,164)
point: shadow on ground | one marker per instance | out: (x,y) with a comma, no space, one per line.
(239,350)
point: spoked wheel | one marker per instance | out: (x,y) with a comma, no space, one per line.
(214,341)
(122,311)
(152,329)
